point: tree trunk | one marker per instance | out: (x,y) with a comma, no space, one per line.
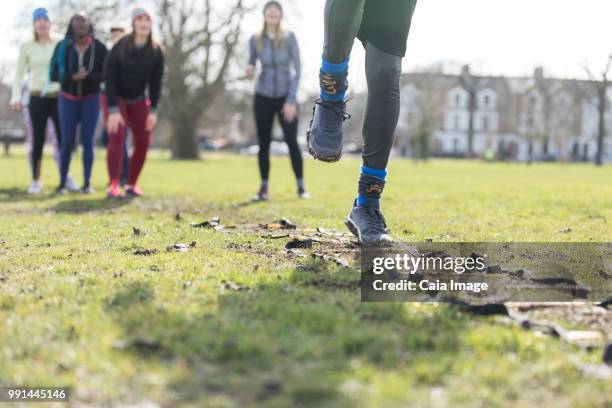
(181,114)
(184,145)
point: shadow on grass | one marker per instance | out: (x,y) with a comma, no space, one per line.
(12,195)
(77,206)
(247,203)
(294,342)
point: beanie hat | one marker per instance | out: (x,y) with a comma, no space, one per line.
(273,3)
(140,11)
(40,13)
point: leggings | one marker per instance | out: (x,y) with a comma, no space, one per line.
(72,112)
(126,153)
(135,117)
(265,108)
(383,70)
(342,22)
(41,109)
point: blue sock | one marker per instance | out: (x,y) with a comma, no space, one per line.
(371,185)
(337,74)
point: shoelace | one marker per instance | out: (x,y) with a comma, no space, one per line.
(376,220)
(336,108)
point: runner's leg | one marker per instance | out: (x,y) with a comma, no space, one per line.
(342,22)
(264,119)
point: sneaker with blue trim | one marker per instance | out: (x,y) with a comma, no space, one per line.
(368,224)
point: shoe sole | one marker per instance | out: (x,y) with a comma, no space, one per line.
(317,156)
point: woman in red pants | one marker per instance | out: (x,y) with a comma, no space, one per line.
(134,66)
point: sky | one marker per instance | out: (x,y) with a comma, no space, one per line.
(496,37)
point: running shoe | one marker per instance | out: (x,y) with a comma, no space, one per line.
(61,189)
(114,191)
(35,187)
(262,195)
(325,134)
(368,225)
(303,194)
(133,191)
(72,185)
(87,190)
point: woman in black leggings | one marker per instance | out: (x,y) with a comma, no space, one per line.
(275,92)
(34,57)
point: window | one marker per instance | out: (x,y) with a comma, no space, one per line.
(485,124)
(457,100)
(561,103)
(457,122)
(487,101)
(533,101)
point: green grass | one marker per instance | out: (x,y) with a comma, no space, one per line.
(78,308)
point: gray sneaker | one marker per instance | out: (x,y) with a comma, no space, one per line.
(325,134)
(368,225)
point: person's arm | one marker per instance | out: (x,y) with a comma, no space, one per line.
(294,50)
(250,69)
(17,88)
(111,72)
(54,75)
(96,76)
(155,82)
(252,50)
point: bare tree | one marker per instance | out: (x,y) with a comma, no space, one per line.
(601,87)
(102,13)
(422,113)
(199,41)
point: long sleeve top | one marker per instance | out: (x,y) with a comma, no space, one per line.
(276,79)
(140,70)
(34,58)
(67,61)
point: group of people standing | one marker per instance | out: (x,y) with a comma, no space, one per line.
(73,79)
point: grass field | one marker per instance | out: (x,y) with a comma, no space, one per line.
(234,321)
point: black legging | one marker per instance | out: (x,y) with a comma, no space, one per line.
(343,19)
(265,108)
(41,109)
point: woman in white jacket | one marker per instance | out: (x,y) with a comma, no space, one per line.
(34,58)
